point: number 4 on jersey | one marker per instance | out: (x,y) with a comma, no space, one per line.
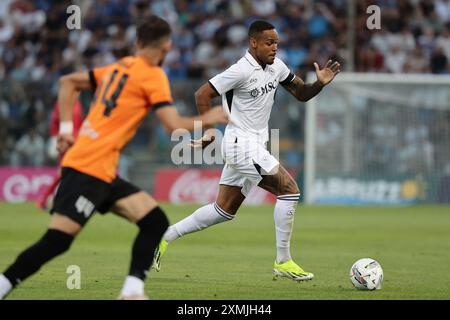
(112,101)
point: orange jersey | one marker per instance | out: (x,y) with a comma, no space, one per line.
(126,91)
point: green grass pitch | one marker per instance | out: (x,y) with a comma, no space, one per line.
(234,260)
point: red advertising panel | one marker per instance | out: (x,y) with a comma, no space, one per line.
(24,184)
(198,186)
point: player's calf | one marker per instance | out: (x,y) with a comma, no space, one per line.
(53,243)
(202,218)
(151,229)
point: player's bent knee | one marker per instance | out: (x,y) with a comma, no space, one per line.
(291,188)
(154,221)
(135,206)
(57,241)
(64,224)
(274,171)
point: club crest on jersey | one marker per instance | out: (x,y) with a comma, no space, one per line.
(254,93)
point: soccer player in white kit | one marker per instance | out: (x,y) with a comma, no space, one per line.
(248,91)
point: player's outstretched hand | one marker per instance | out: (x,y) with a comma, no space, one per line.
(203,142)
(327,74)
(208,137)
(64,142)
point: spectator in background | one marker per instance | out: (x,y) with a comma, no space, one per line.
(207,34)
(5,138)
(317,23)
(443,40)
(427,41)
(4,148)
(29,150)
(439,61)
(371,60)
(6,31)
(380,40)
(404,39)
(416,62)
(442,8)
(395,60)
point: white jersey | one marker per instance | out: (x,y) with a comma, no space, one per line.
(248,93)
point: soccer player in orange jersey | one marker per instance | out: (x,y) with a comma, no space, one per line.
(125,92)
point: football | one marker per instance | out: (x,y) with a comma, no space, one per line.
(366,274)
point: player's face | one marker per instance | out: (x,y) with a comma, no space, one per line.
(267,45)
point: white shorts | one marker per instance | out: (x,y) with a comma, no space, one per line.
(245,163)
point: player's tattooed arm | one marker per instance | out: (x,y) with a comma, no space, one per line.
(302,91)
(305,92)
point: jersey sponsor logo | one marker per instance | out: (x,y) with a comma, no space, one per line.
(268,87)
(84,206)
(88,130)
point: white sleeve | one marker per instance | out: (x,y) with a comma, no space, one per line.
(285,74)
(231,78)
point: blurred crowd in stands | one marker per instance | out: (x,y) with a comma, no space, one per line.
(36,46)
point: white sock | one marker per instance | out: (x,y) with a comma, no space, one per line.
(133,286)
(5,286)
(284,221)
(202,218)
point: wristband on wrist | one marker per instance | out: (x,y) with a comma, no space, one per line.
(66,127)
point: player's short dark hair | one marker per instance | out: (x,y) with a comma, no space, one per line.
(258,27)
(151,29)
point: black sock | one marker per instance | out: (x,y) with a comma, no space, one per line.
(52,244)
(151,230)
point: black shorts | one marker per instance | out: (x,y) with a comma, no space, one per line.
(79,195)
